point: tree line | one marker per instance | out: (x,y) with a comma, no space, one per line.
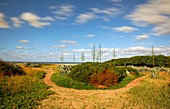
(159,61)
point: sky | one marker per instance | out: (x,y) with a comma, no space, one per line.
(45,30)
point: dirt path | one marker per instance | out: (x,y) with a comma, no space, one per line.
(66,98)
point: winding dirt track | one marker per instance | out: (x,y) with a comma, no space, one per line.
(66,98)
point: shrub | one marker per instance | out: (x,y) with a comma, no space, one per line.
(106,78)
(9,69)
(40,74)
(64,81)
(83,72)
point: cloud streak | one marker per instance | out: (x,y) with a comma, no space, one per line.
(35,20)
(3,23)
(155,12)
(126,29)
(83,18)
(69,42)
(140,37)
(23,41)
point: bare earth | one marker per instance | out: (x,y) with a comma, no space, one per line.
(66,98)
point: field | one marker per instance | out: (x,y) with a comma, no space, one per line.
(29,91)
(144,92)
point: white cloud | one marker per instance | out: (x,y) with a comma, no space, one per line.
(69,42)
(124,29)
(16,21)
(61,18)
(80,50)
(3,23)
(23,41)
(91,45)
(48,18)
(108,11)
(142,37)
(21,48)
(115,0)
(83,18)
(59,46)
(105,14)
(105,27)
(35,20)
(155,12)
(90,35)
(136,50)
(62,12)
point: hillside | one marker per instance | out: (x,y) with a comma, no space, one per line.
(159,60)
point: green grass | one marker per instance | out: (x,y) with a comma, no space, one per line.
(126,81)
(40,74)
(22,92)
(64,81)
(67,82)
(152,94)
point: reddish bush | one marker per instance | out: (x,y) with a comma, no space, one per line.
(106,78)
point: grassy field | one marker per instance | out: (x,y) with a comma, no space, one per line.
(29,91)
(23,91)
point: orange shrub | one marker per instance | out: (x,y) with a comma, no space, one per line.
(106,78)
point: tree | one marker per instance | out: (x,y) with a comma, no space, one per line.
(153,56)
(114,55)
(100,52)
(94,52)
(74,57)
(82,56)
(61,57)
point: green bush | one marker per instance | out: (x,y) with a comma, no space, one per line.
(67,82)
(40,74)
(9,69)
(83,72)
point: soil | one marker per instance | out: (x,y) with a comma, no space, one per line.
(66,98)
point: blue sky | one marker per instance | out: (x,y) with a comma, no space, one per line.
(41,31)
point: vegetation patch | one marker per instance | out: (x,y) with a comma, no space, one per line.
(9,69)
(21,92)
(154,94)
(95,76)
(64,81)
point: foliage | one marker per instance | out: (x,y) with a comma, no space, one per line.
(153,94)
(65,69)
(64,81)
(96,73)
(32,65)
(159,60)
(21,92)
(9,69)
(40,74)
(106,78)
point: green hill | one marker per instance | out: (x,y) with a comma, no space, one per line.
(159,60)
